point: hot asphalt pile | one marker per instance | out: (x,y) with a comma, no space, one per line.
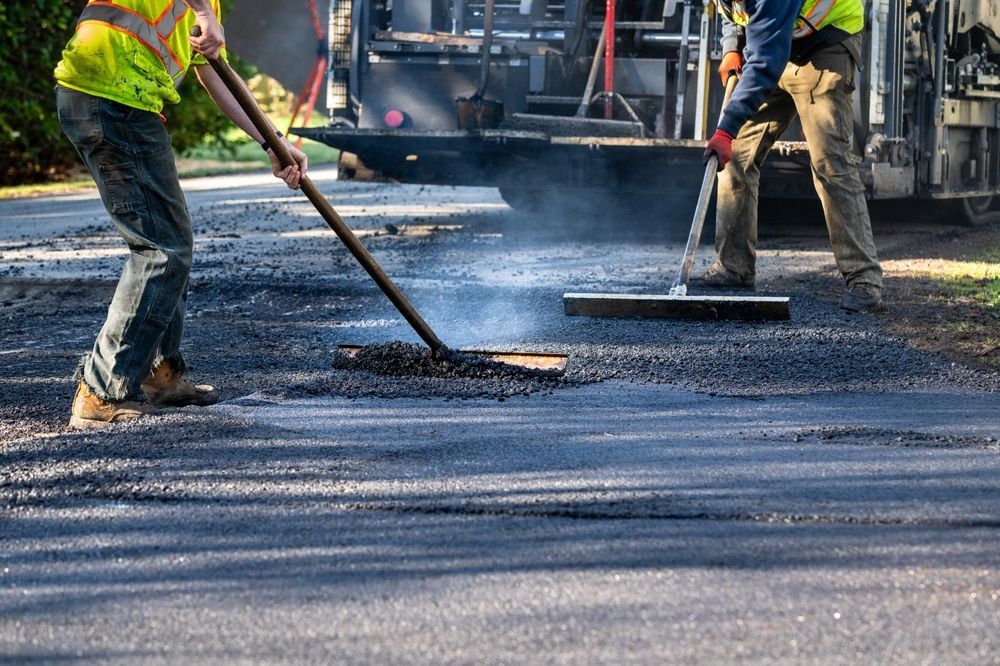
(400,369)
(400,359)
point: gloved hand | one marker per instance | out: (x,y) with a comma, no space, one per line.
(732,61)
(721,145)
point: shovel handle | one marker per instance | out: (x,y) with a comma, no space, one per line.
(679,287)
(263,124)
(732,78)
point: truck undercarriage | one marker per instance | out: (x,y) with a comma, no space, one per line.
(927,104)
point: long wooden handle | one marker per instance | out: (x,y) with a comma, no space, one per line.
(360,252)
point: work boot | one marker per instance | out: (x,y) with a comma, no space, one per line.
(719,277)
(167,388)
(89,411)
(862,297)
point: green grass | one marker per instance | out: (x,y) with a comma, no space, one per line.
(42,189)
(983,287)
(968,293)
(247,155)
(249,151)
(992,253)
(211,158)
(208,159)
(242,154)
(971,328)
(242,149)
(984,292)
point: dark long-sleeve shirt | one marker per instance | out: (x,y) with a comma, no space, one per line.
(768,47)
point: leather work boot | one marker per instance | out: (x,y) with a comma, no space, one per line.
(89,411)
(862,298)
(719,277)
(167,388)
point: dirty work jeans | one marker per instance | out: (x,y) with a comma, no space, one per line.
(128,154)
(820,92)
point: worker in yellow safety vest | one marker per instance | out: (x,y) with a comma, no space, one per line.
(794,59)
(123,63)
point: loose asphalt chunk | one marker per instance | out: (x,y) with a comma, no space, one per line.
(400,369)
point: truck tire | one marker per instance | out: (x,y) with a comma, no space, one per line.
(523,200)
(967,211)
(980,211)
(350,167)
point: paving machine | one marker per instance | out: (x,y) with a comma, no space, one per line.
(580,97)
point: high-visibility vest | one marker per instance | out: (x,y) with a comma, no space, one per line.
(135,52)
(847,15)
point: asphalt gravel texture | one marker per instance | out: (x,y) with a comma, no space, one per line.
(689,491)
(446,373)
(401,359)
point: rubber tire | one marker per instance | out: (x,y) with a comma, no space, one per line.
(523,200)
(961,212)
(980,211)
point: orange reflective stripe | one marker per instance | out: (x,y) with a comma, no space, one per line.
(823,8)
(154,37)
(167,22)
(847,15)
(814,14)
(164,13)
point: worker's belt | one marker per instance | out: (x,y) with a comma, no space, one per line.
(805,47)
(153,34)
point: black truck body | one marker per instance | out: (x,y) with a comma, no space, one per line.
(927,101)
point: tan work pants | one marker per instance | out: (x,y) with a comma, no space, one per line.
(820,92)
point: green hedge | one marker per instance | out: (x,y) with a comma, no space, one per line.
(32,146)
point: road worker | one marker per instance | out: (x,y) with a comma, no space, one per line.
(800,59)
(118,70)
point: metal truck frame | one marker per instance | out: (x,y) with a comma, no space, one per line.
(927,101)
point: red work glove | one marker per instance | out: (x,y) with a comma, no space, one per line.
(731,62)
(721,145)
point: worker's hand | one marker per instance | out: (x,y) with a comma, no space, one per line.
(291,175)
(731,62)
(720,145)
(206,35)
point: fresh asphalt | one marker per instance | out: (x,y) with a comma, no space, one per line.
(812,490)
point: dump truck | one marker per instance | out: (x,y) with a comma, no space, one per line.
(558,100)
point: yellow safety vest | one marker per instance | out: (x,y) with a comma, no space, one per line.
(135,52)
(847,15)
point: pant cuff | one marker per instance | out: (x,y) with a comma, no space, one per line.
(177,361)
(80,375)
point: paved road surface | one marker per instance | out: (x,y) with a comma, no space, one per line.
(692,492)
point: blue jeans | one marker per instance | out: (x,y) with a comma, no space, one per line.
(128,154)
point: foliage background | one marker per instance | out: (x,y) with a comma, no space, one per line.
(32,146)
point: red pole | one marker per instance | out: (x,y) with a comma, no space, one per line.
(609,58)
(317,79)
(310,90)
